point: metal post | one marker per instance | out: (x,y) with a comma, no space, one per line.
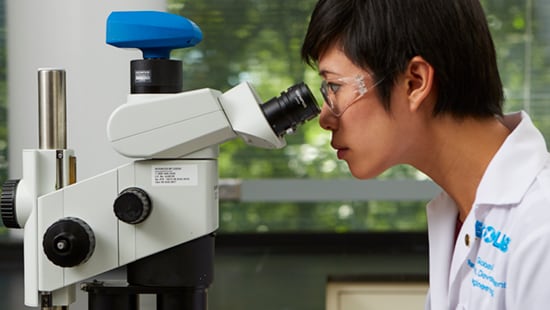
(52,120)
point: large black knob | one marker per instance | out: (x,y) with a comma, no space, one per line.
(69,242)
(7,204)
(132,206)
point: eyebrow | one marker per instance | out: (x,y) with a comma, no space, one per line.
(325,72)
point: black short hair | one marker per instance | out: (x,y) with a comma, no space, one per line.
(382,36)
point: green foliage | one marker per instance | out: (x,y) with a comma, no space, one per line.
(321,217)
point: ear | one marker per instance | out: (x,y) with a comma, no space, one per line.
(419,77)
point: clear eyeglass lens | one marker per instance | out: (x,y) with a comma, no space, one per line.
(329,95)
(329,90)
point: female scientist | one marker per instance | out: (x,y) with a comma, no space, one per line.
(416,82)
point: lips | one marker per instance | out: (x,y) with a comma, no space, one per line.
(341,151)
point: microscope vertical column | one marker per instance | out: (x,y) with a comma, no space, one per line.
(53,138)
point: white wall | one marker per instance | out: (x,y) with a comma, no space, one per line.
(68,34)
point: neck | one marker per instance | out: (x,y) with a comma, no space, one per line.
(459,153)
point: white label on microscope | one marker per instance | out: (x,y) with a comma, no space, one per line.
(184,175)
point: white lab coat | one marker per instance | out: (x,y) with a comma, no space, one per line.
(501,258)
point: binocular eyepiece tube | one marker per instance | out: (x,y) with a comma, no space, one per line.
(293,107)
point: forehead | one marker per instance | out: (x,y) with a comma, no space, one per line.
(334,62)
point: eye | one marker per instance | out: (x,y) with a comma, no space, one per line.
(333,87)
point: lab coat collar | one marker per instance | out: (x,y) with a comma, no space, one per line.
(505,182)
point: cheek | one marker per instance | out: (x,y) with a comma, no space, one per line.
(374,128)
(375,146)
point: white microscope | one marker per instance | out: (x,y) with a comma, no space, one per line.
(156,215)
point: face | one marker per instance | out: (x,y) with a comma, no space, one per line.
(367,136)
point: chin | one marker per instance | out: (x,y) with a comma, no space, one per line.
(364,174)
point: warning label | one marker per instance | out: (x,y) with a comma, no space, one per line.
(185,175)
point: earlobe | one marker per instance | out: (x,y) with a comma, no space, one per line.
(420,79)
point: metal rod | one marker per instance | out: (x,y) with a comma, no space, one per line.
(52,109)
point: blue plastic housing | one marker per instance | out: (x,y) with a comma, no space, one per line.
(156,34)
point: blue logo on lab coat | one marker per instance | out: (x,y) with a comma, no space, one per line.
(490,235)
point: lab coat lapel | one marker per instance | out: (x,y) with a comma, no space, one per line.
(442,214)
(462,247)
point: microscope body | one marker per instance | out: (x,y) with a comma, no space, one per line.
(127,213)
(174,192)
(182,207)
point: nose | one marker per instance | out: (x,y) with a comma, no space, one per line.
(327,120)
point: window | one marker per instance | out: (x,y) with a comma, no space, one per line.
(259,41)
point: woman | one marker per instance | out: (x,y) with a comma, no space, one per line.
(416,82)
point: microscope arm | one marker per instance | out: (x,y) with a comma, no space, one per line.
(180,205)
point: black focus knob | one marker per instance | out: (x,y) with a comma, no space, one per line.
(132,206)
(7,204)
(69,242)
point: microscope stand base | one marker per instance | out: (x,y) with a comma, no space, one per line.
(103,296)
(179,277)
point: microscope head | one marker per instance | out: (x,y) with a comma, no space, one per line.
(177,125)
(162,121)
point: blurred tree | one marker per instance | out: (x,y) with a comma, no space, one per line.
(520,30)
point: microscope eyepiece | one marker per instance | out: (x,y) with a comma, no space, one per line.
(293,107)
